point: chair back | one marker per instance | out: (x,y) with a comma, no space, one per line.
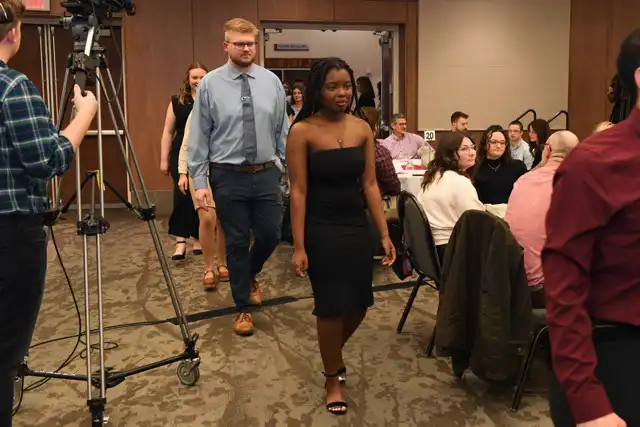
(419,244)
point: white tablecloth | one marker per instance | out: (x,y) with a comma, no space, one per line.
(498,210)
(410,180)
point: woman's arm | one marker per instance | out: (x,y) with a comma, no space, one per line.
(298,175)
(370,183)
(182,157)
(167,136)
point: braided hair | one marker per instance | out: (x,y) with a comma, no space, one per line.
(315,83)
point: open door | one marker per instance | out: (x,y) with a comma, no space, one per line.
(386,86)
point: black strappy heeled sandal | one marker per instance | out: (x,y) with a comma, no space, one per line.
(179,256)
(342,375)
(339,407)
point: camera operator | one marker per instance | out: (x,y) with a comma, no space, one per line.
(31,152)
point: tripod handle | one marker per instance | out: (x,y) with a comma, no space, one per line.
(81,80)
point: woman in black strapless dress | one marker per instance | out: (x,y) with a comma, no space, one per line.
(330,159)
(184,222)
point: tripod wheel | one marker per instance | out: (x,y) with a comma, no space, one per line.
(188,375)
(18,390)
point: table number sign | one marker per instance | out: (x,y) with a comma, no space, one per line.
(429,135)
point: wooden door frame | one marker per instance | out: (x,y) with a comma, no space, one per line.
(397,29)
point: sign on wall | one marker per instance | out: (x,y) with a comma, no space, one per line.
(40,5)
(291,47)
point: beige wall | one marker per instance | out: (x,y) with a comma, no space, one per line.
(360,49)
(492,59)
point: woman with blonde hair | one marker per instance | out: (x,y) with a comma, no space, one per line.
(603,126)
(183,223)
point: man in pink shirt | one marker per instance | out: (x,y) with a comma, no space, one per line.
(402,144)
(528,206)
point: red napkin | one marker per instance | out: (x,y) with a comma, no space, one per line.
(413,167)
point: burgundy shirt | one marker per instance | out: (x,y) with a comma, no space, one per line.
(591,260)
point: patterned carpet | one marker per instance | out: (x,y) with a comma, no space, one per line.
(271,379)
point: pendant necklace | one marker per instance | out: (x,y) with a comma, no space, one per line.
(496,168)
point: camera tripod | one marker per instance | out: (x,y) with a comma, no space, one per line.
(86,60)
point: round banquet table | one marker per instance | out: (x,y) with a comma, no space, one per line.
(410,177)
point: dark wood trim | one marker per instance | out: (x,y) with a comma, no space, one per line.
(285,63)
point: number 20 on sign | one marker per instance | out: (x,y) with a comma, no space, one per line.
(429,135)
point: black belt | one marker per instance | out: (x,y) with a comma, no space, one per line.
(244,168)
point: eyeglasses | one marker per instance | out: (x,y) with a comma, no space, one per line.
(501,143)
(243,45)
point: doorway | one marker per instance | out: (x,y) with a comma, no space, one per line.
(49,42)
(289,50)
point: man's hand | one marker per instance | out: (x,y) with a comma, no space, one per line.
(611,420)
(87,104)
(202,198)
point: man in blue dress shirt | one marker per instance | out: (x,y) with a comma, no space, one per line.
(238,132)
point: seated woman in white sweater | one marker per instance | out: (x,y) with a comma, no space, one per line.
(447,191)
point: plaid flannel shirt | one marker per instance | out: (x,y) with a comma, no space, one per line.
(31,151)
(388,180)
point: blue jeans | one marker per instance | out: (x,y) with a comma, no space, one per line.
(247,202)
(23,264)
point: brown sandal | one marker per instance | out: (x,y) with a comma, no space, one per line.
(209,280)
(223,273)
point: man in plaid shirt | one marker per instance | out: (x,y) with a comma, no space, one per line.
(31,152)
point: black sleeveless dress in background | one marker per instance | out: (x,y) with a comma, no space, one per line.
(338,236)
(184,220)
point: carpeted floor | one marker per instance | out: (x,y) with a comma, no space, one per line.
(271,379)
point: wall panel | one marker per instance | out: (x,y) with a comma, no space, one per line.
(588,64)
(486,69)
(56,8)
(295,10)
(377,11)
(409,67)
(624,17)
(156,63)
(208,22)
(597,29)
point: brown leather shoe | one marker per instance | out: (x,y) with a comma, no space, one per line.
(209,281)
(244,324)
(255,298)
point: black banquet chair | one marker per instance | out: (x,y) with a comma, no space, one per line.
(420,248)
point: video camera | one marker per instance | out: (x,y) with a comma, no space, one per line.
(101,9)
(87,18)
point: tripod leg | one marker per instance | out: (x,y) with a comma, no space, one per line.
(85,271)
(120,197)
(153,227)
(73,197)
(98,248)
